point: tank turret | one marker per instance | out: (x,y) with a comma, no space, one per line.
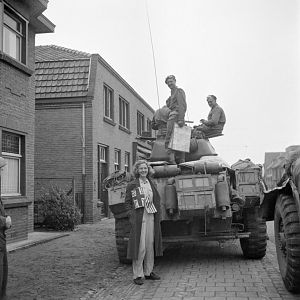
(198,149)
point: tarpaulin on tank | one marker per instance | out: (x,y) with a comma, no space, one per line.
(203,166)
(217,159)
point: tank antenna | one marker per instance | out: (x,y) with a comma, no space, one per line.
(152,53)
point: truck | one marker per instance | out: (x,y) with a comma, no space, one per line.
(202,199)
(281,204)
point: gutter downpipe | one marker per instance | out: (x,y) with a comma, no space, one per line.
(83,175)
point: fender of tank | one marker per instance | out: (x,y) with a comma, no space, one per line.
(198,149)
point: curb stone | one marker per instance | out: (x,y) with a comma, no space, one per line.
(32,244)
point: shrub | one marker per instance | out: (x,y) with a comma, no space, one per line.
(58,209)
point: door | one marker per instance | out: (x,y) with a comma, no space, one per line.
(103,173)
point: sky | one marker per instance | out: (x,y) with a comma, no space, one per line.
(245,52)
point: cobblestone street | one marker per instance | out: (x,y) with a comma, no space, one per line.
(84,266)
(208,272)
(65,268)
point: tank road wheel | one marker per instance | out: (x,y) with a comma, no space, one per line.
(287,240)
(255,245)
(122,230)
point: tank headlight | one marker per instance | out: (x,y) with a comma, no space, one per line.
(235,207)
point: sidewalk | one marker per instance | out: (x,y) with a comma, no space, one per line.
(39,237)
(35,238)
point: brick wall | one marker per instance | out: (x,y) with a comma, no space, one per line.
(90,201)
(58,146)
(19,217)
(17,115)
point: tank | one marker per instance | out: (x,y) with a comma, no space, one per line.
(201,199)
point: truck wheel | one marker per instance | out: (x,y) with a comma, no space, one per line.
(255,245)
(287,240)
(122,230)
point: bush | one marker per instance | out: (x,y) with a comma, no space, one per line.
(58,209)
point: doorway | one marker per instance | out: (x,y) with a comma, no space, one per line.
(102,174)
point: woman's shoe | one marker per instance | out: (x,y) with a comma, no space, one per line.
(138,281)
(152,276)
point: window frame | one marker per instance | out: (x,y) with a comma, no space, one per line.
(140,123)
(127,161)
(22,34)
(149,127)
(117,159)
(124,113)
(108,111)
(20,157)
(102,154)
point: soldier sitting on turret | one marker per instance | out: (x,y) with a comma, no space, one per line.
(215,122)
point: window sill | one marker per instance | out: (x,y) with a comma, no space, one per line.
(124,129)
(109,121)
(16,64)
(15,201)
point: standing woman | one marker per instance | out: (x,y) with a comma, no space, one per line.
(143,205)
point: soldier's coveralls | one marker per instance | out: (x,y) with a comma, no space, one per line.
(215,122)
(177,105)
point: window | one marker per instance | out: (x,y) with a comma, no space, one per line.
(102,169)
(11,173)
(123,113)
(148,125)
(117,159)
(108,102)
(127,162)
(140,123)
(14,35)
(102,154)
(149,128)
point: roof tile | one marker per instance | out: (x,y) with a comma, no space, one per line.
(55,53)
(61,72)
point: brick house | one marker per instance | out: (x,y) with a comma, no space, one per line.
(274,165)
(88,120)
(270,171)
(20,21)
